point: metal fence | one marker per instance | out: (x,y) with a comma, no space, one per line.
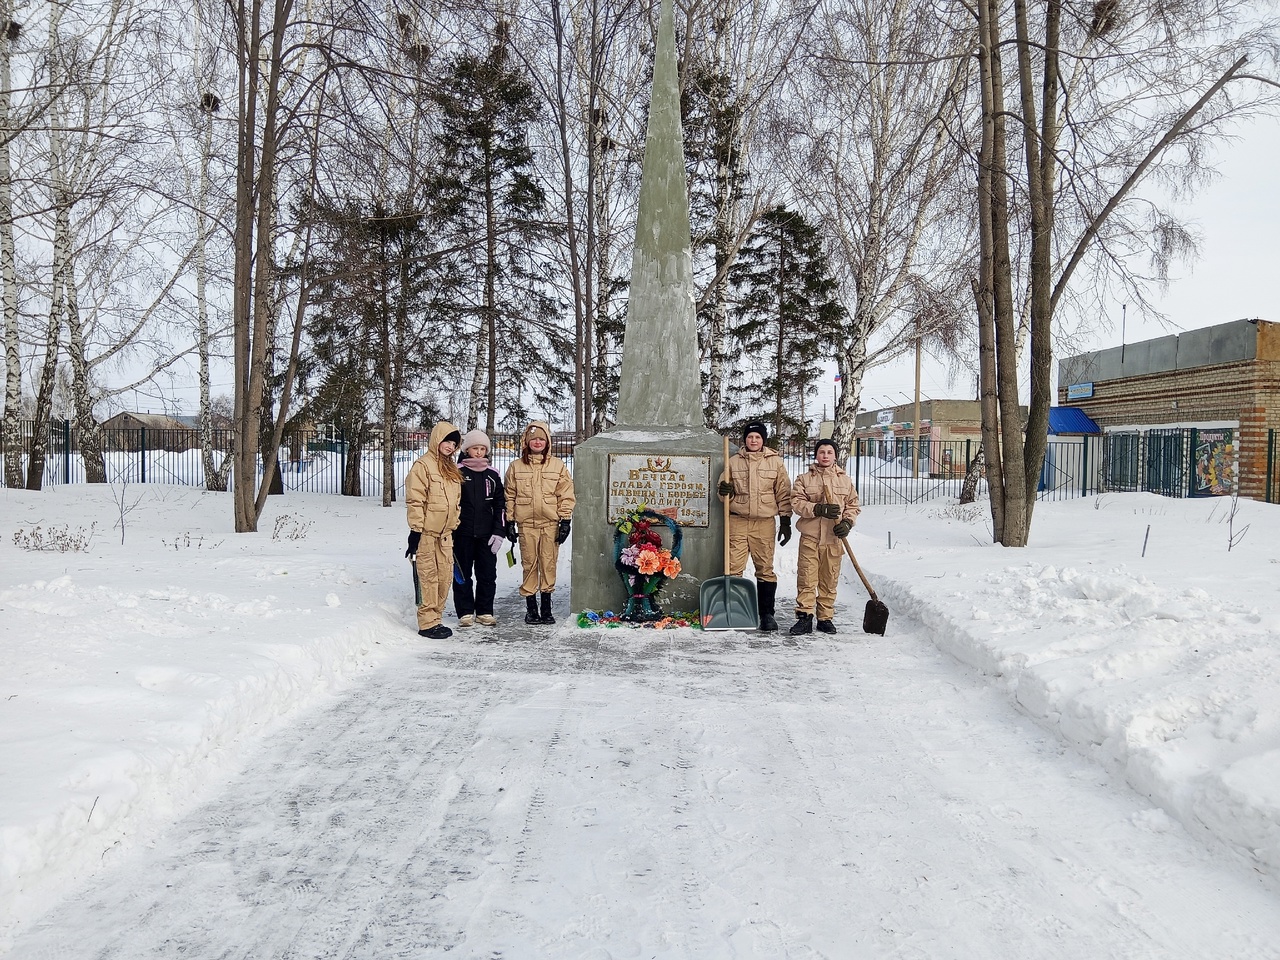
(310,461)
(1183,462)
(902,471)
(324,461)
(1272,486)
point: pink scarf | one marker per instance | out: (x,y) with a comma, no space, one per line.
(477,464)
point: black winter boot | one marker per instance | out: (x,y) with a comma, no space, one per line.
(547,616)
(803,624)
(531,614)
(826,626)
(766,590)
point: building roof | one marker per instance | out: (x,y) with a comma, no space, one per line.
(156,421)
(1223,343)
(1071,420)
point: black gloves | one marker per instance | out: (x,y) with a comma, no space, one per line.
(842,528)
(511,531)
(784,530)
(829,511)
(414,537)
(562,531)
(725,489)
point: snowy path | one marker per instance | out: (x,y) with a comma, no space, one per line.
(609,794)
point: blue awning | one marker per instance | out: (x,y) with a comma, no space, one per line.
(1071,420)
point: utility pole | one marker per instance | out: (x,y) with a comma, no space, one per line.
(915,416)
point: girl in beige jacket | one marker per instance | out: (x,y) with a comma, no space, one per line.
(432,495)
(540,503)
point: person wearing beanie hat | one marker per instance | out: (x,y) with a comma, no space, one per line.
(432,491)
(475,438)
(826,502)
(759,494)
(540,502)
(479,537)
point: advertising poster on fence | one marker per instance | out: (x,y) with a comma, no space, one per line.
(1215,463)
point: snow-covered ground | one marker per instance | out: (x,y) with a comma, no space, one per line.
(153,660)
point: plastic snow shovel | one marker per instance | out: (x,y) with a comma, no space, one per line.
(417,586)
(876,617)
(725,602)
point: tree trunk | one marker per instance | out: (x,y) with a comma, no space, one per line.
(215,474)
(44,391)
(577,243)
(969,491)
(1040,153)
(88,430)
(354,435)
(386,329)
(994,293)
(12,424)
(490,303)
(718,336)
(851,362)
(254,303)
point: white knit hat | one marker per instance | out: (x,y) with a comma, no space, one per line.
(475,438)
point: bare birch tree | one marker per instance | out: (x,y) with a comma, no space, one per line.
(270,39)
(1099,98)
(584,60)
(10,33)
(867,134)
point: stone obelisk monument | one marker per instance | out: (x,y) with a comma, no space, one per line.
(660,452)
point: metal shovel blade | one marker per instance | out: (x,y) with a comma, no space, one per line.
(875,618)
(728,603)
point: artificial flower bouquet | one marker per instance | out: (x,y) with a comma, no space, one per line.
(643,562)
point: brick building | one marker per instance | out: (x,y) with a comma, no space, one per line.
(950,433)
(1195,414)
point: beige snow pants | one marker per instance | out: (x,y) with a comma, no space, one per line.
(538,555)
(754,538)
(435,577)
(817,571)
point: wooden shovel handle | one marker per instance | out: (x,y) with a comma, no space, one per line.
(725,568)
(862,576)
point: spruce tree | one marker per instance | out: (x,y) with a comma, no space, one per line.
(492,206)
(385,292)
(785,316)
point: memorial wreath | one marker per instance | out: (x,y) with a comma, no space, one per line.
(642,561)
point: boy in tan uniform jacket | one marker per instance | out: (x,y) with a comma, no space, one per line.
(825,500)
(761,491)
(540,502)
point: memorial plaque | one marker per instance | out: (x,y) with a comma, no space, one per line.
(678,487)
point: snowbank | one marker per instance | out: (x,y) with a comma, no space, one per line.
(1163,668)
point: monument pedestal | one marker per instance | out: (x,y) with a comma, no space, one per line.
(596,584)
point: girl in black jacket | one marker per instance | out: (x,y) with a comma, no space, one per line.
(478,539)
